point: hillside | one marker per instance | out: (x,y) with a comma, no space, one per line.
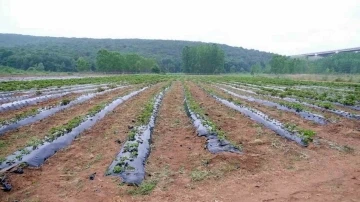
(59,54)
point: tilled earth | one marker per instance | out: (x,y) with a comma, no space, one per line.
(271,168)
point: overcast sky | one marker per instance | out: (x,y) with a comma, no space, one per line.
(281,26)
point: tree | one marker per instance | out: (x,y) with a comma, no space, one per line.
(155,69)
(82,65)
(255,69)
(207,59)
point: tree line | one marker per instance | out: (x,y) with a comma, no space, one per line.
(205,59)
(348,63)
(62,54)
(112,61)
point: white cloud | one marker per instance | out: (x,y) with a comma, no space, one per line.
(286,27)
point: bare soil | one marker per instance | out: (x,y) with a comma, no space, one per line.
(17,139)
(270,169)
(339,130)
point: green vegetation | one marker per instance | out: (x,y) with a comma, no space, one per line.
(145,115)
(100,89)
(83,65)
(34,142)
(131,135)
(119,79)
(66,128)
(206,59)
(61,130)
(2,159)
(297,106)
(18,117)
(62,54)
(195,107)
(326,105)
(118,169)
(197,175)
(96,109)
(110,61)
(306,134)
(338,63)
(2,144)
(145,188)
(65,102)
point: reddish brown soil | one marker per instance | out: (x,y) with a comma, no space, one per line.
(344,131)
(271,168)
(346,109)
(18,138)
(65,176)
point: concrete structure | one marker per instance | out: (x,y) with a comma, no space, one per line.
(322,54)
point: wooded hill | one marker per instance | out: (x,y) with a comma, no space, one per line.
(61,54)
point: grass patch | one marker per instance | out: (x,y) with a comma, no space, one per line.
(144,189)
(2,144)
(65,102)
(198,175)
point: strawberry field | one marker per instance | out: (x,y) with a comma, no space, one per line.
(179,138)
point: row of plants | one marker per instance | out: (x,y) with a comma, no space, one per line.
(129,79)
(58,131)
(296,108)
(344,98)
(129,163)
(31,112)
(193,107)
(278,81)
(260,117)
(274,93)
(323,106)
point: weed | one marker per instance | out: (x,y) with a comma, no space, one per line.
(111,86)
(198,175)
(348,149)
(2,144)
(100,89)
(65,102)
(144,189)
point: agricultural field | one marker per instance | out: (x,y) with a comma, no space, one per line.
(179,138)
